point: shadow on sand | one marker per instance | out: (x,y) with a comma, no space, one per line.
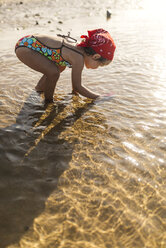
(33,157)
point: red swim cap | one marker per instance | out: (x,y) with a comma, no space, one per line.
(101,42)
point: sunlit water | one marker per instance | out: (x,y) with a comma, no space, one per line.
(78,173)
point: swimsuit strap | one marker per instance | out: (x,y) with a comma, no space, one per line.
(64,45)
(67,37)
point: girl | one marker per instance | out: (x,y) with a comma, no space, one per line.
(50,56)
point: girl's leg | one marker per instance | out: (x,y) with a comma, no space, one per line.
(50,87)
(41,64)
(41,84)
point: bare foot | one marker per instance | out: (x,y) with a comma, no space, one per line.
(39,90)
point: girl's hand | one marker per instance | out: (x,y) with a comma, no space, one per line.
(105,97)
(109,94)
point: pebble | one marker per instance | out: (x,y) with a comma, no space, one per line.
(108,14)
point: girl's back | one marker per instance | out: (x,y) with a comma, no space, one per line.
(50,41)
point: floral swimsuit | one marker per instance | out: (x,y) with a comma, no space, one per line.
(53,54)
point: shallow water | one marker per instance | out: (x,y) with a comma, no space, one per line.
(78,173)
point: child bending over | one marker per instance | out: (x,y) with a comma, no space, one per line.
(51,55)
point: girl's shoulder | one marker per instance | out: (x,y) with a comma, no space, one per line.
(73,53)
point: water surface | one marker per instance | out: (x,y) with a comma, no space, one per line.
(82,173)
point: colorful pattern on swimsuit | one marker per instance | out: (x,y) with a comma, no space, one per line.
(53,54)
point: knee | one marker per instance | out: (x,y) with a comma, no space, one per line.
(53,75)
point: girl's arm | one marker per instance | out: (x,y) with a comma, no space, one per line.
(76,82)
